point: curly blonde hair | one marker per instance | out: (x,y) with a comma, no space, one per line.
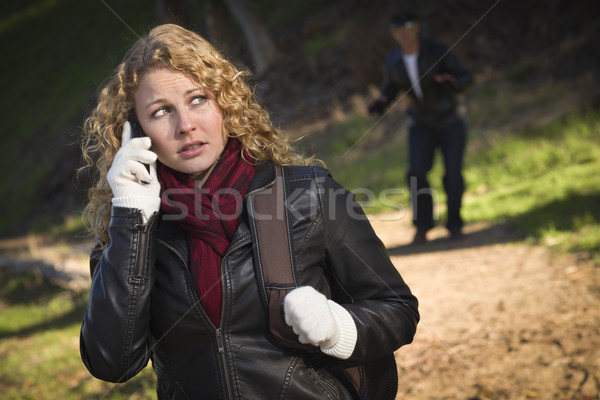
(180,50)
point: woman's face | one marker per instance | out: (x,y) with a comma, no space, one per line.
(182,119)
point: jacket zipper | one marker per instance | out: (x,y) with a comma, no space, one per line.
(219,334)
(143,238)
(221,349)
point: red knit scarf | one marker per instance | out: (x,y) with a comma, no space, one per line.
(209,217)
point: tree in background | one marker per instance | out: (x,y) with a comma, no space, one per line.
(260,45)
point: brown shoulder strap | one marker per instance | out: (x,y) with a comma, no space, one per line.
(275,256)
(272,230)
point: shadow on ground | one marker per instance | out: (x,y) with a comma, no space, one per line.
(31,288)
(568,214)
(473,237)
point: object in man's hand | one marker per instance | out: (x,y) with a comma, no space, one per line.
(376,107)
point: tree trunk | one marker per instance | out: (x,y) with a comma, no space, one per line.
(260,44)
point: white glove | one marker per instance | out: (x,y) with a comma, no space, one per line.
(133,186)
(320,322)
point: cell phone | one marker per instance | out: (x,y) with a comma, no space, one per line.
(136,129)
(136,132)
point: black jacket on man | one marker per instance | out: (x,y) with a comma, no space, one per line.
(438,105)
(143,304)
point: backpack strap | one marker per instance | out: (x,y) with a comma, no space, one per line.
(275,256)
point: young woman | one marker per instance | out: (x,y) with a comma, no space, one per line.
(180,144)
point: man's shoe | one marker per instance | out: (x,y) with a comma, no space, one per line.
(456,234)
(420,237)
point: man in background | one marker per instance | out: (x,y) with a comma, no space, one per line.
(431,75)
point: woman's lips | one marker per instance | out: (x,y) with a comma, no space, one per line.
(192,149)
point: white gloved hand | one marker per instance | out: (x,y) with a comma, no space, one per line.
(133,186)
(320,322)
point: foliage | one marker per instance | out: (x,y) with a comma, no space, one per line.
(324,41)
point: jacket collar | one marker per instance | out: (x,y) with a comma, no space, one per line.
(264,175)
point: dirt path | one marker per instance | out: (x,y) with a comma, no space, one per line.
(500,320)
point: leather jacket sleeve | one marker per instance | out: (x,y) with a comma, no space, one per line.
(390,86)
(365,281)
(451,64)
(115,336)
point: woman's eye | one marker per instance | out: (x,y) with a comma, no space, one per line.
(160,112)
(199,99)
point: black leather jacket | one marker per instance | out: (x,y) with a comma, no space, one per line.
(438,105)
(143,304)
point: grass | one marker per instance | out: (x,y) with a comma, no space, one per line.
(545,180)
(39,347)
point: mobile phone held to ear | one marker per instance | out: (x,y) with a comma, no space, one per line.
(136,132)
(136,129)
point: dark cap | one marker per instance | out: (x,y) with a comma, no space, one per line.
(400,18)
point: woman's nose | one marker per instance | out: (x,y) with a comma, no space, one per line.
(185,123)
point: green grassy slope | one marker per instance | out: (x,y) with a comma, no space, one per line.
(56,54)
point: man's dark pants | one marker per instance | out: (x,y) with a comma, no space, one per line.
(423,141)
